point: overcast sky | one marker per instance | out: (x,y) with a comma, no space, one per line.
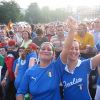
(52,4)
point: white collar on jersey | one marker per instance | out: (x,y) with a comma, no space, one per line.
(77,65)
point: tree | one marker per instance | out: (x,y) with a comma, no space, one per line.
(33,14)
(45,14)
(9,11)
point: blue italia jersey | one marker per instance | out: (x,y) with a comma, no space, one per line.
(22,67)
(21,70)
(31,55)
(43,83)
(76,82)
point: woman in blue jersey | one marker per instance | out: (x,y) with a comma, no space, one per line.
(75,76)
(19,63)
(28,58)
(42,80)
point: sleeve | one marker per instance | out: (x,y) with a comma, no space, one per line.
(87,65)
(32,59)
(33,55)
(24,85)
(59,66)
(91,67)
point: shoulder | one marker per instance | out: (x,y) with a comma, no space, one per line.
(85,63)
(32,70)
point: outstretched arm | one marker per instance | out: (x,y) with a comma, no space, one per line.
(95,61)
(72,24)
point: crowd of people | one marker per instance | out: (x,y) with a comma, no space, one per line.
(53,61)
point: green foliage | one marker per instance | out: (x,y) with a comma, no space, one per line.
(33,14)
(36,15)
(9,11)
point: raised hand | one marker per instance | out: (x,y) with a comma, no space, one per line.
(71,23)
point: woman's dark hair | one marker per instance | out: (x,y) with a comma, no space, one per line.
(21,48)
(23,56)
(33,27)
(39,31)
(29,35)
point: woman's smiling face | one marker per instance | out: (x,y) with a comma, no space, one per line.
(74,51)
(46,51)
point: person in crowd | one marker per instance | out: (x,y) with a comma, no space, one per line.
(27,58)
(89,25)
(97,46)
(3,38)
(4,93)
(26,39)
(18,30)
(17,66)
(96,30)
(33,33)
(58,40)
(85,39)
(42,80)
(49,31)
(40,37)
(12,54)
(6,73)
(94,75)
